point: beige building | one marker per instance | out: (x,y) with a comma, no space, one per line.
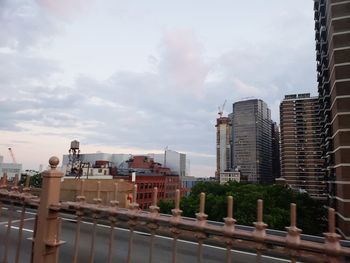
(332,28)
(300,144)
(223,149)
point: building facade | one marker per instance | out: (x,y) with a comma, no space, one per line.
(223,145)
(332,34)
(230,176)
(276,156)
(150,174)
(300,144)
(251,141)
(11,169)
(176,161)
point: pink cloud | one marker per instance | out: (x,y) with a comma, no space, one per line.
(64,8)
(182,63)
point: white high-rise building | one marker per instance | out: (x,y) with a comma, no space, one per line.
(223,147)
(174,160)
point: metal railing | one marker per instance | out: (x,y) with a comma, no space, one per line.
(46,237)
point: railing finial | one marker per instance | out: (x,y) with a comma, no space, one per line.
(54,161)
(154,208)
(260,227)
(201,216)
(293,236)
(331,220)
(98,200)
(229,220)
(177,211)
(134,205)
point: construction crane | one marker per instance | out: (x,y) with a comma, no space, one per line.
(221,109)
(12,155)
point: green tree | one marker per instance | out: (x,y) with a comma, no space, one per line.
(36,180)
(165,206)
(276,198)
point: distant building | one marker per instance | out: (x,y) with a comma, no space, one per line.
(230,176)
(332,26)
(11,169)
(300,144)
(113,159)
(150,171)
(150,174)
(223,151)
(177,162)
(251,141)
(275,144)
(187,182)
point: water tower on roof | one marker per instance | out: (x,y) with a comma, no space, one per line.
(74,164)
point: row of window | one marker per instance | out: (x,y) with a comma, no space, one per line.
(148,195)
(151,185)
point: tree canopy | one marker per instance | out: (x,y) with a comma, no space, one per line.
(276,198)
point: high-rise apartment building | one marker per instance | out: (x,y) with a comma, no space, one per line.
(223,138)
(275,144)
(332,26)
(251,141)
(300,144)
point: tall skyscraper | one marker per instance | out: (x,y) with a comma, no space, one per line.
(251,141)
(332,26)
(300,144)
(223,137)
(275,144)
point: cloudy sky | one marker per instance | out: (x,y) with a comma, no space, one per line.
(127,76)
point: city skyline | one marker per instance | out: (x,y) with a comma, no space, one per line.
(76,71)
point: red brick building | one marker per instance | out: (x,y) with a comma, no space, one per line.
(150,174)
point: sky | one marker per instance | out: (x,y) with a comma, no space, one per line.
(139,76)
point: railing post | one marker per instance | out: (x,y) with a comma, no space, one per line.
(46,242)
(293,235)
(332,244)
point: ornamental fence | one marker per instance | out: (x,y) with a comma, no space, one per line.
(16,202)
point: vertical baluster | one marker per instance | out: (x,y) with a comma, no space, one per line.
(114,204)
(59,230)
(79,214)
(8,233)
(229,228)
(201,220)
(259,232)
(132,222)
(332,244)
(131,237)
(175,219)
(293,236)
(98,202)
(153,226)
(20,231)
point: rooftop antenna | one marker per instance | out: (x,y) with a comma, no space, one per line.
(221,109)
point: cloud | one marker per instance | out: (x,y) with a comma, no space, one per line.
(65,8)
(24,24)
(182,66)
(173,103)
